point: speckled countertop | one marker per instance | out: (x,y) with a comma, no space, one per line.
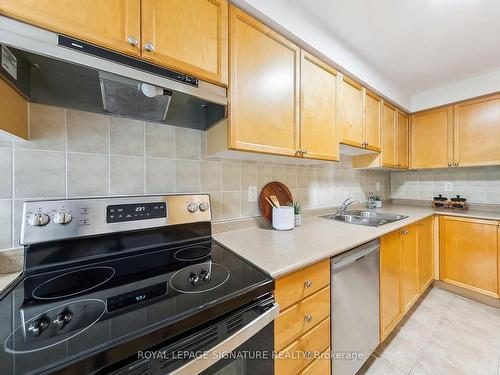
(281,252)
(11,265)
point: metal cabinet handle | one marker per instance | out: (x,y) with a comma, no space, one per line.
(149,47)
(308,318)
(405,232)
(308,284)
(304,151)
(133,41)
(449,164)
(455,164)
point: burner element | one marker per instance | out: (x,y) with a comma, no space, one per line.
(199,278)
(74,282)
(192,253)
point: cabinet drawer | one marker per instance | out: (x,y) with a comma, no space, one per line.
(301,317)
(300,284)
(320,366)
(295,358)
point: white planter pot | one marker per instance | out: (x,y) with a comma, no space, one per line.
(378,204)
(298,219)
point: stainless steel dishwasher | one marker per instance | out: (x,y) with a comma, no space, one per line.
(355,307)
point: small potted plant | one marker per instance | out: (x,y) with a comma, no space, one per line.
(297,210)
(375,200)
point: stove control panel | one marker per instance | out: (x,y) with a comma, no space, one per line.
(73,218)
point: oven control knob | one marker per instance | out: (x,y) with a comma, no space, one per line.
(39,325)
(203,206)
(205,275)
(62,217)
(38,220)
(63,318)
(192,207)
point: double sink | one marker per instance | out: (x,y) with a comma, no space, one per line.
(366,218)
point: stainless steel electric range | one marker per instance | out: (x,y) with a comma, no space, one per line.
(133,285)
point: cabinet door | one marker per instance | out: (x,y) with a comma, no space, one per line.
(372,121)
(188,36)
(477,131)
(391,307)
(469,254)
(425,242)
(13,112)
(432,138)
(318,124)
(351,112)
(106,23)
(263,88)
(402,139)
(389,136)
(408,242)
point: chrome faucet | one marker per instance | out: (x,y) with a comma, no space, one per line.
(343,207)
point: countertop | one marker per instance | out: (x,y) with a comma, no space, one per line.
(281,252)
(7,278)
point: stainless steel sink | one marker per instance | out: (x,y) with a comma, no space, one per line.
(366,218)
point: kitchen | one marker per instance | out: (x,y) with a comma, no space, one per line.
(150,150)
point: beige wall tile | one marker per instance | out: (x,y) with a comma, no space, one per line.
(5,143)
(159,176)
(126,175)
(230,204)
(5,173)
(5,223)
(279,173)
(248,175)
(187,144)
(47,128)
(126,137)
(291,177)
(248,208)
(187,176)
(231,176)
(88,175)
(159,140)
(39,174)
(87,132)
(302,177)
(216,205)
(264,175)
(211,176)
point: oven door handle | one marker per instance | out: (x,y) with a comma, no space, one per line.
(228,345)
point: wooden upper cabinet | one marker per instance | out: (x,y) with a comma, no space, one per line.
(351,112)
(13,112)
(318,125)
(477,131)
(108,23)
(469,254)
(403,140)
(187,36)
(432,138)
(372,121)
(391,306)
(389,118)
(425,253)
(263,94)
(409,254)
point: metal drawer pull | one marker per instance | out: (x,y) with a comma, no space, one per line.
(149,47)
(308,284)
(308,318)
(133,41)
(404,232)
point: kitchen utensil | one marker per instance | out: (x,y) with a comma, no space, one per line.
(281,192)
(275,201)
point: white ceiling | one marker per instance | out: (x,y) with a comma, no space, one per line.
(418,45)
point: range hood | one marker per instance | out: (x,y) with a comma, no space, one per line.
(53,69)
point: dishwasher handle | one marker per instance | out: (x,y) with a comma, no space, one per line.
(353,256)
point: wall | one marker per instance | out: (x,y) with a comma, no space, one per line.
(78,154)
(478,185)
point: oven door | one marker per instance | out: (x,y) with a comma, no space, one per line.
(248,350)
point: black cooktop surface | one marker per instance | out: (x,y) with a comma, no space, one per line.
(52,318)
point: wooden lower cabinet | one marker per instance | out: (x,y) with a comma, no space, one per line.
(469,254)
(302,330)
(406,263)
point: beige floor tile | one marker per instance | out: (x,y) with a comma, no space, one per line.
(378,366)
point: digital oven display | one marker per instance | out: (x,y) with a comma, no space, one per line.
(131,212)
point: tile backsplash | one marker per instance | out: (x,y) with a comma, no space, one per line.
(78,154)
(478,185)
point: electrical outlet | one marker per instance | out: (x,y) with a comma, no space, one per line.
(252,193)
(448,186)
(377,186)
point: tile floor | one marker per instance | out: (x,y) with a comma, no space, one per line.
(444,334)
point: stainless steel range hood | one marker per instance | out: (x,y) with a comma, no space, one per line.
(57,70)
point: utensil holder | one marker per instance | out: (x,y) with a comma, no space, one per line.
(283,218)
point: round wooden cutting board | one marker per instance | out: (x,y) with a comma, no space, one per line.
(282,193)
